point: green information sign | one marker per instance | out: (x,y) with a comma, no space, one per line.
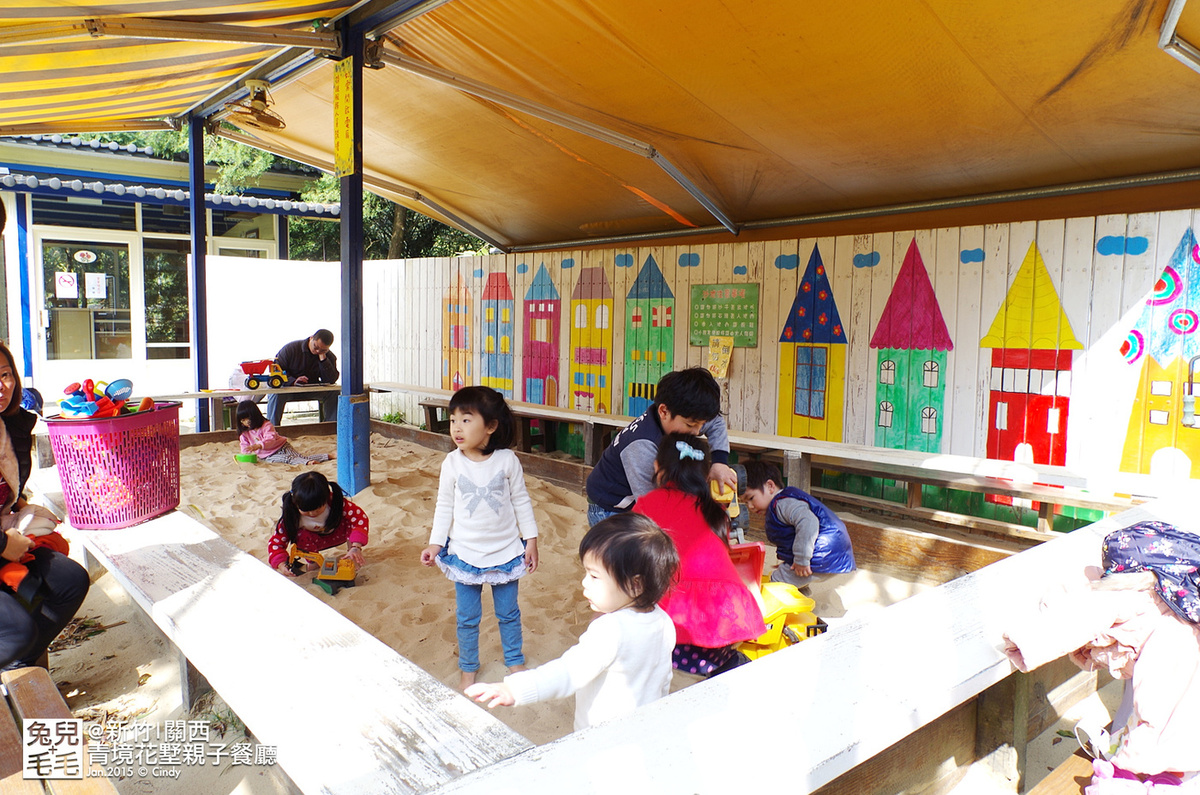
(724,310)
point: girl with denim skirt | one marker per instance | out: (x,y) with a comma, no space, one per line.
(483,527)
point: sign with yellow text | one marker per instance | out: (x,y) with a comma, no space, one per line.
(720,349)
(343,117)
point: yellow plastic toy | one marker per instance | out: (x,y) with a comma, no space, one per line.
(333,574)
(726,497)
(789,619)
(787,613)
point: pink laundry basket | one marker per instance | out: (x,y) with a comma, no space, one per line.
(118,471)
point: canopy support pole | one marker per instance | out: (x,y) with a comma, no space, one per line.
(354,408)
(1170,42)
(199,232)
(545,113)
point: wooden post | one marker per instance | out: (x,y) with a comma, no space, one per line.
(1002,728)
(914,495)
(1045,517)
(797,470)
(593,445)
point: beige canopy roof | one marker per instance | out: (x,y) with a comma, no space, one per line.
(588,120)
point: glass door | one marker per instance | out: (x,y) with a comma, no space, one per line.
(86,294)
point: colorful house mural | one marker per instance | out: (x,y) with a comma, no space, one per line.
(496,366)
(910,367)
(812,360)
(591,342)
(649,336)
(1031,341)
(456,335)
(543,316)
(1164,340)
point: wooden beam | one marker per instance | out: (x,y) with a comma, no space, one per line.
(917,555)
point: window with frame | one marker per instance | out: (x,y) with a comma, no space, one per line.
(886,409)
(930,372)
(811,366)
(929,420)
(887,372)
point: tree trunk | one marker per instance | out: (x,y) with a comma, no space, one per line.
(396,246)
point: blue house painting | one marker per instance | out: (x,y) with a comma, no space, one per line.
(497,332)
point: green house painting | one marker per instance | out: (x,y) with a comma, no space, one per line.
(910,367)
(649,336)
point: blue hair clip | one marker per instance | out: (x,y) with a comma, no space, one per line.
(687,451)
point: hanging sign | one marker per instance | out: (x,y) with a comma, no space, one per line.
(343,117)
(724,310)
(66,285)
(95,285)
(720,349)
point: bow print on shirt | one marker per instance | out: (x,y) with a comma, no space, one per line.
(473,495)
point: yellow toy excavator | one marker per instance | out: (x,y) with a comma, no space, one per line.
(333,574)
(787,613)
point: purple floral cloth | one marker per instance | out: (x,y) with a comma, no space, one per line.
(1171,554)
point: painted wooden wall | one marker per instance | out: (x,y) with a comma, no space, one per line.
(1102,271)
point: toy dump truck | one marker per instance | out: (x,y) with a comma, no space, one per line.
(263,372)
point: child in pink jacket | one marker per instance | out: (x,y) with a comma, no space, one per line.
(257,435)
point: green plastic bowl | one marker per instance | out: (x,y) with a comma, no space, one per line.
(245,458)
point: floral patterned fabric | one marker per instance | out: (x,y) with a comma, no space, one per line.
(1172,555)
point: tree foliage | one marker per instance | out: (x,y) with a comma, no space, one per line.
(389,230)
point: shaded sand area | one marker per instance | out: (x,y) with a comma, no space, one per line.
(128,670)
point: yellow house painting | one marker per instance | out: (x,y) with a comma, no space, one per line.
(812,360)
(591,342)
(1164,340)
(456,335)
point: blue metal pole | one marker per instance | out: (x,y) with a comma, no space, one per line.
(199,231)
(27,310)
(354,410)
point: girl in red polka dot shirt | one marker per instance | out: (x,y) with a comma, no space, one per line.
(317,517)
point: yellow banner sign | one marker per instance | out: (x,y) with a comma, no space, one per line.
(343,117)
(720,349)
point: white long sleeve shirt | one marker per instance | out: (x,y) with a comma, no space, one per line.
(622,661)
(483,508)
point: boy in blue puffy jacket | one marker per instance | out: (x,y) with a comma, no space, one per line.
(810,540)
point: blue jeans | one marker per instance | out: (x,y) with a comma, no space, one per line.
(597,513)
(470,611)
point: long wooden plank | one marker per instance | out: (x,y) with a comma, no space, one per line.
(975,483)
(905,552)
(408,734)
(872,681)
(12,780)
(1069,778)
(33,695)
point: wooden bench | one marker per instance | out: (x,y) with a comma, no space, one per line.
(1049,486)
(239,625)
(597,429)
(32,695)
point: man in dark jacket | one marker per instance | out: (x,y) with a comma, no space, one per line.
(307,361)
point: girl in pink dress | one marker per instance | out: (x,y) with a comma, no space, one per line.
(713,611)
(257,435)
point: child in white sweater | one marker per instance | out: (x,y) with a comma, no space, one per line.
(483,528)
(623,659)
